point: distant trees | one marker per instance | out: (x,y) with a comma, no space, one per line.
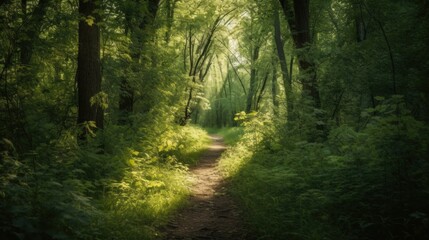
(21,25)
(31,31)
(254,46)
(358,102)
(198,55)
(139,19)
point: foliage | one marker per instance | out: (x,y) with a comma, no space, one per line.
(45,185)
(86,195)
(134,171)
(352,167)
(369,184)
(153,184)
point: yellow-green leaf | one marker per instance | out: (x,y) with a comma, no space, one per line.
(131,162)
(90,20)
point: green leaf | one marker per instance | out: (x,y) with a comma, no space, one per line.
(90,21)
(379,98)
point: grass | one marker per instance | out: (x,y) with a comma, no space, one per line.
(348,187)
(154,186)
(273,193)
(230,135)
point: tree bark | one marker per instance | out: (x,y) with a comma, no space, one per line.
(360,23)
(261,92)
(298,20)
(89,66)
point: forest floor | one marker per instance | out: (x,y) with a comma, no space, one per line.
(211,212)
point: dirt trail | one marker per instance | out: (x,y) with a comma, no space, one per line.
(211,213)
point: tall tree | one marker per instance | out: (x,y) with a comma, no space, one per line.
(359,21)
(170,6)
(250,103)
(89,66)
(298,19)
(31,30)
(21,24)
(274,88)
(287,79)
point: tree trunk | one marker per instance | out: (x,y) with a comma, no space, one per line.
(261,92)
(170,7)
(298,20)
(274,88)
(31,31)
(29,34)
(253,80)
(360,23)
(287,79)
(89,67)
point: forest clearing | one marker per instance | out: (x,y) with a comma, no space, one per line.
(221,119)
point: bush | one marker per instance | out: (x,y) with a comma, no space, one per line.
(367,184)
(122,184)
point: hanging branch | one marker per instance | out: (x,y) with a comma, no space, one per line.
(191,51)
(204,73)
(184,53)
(261,93)
(206,46)
(232,54)
(291,68)
(238,76)
(224,78)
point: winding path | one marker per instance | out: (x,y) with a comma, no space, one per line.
(211,213)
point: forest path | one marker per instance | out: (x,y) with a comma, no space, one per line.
(211,212)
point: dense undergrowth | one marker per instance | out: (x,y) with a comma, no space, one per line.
(370,183)
(125,191)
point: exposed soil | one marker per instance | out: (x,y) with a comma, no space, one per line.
(211,212)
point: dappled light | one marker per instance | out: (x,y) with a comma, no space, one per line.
(219,120)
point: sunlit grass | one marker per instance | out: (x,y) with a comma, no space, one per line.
(153,187)
(342,188)
(230,135)
(269,193)
(192,143)
(234,159)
